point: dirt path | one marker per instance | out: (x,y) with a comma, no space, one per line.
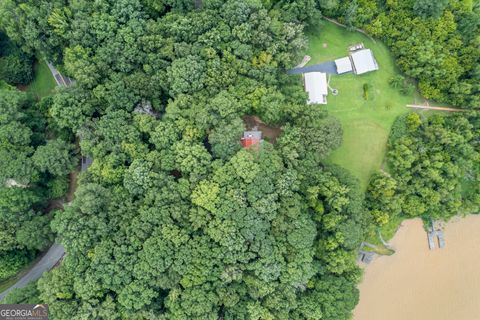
(269,132)
(415,106)
(72,185)
(57,204)
(346,27)
(418,283)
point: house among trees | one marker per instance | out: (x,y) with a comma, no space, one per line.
(316,86)
(363,61)
(251,138)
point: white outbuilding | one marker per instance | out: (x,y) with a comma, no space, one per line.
(316,86)
(343,65)
(363,61)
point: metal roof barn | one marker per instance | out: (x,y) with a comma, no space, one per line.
(343,65)
(363,61)
(316,86)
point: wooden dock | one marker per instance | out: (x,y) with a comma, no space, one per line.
(431,239)
(366,256)
(441,239)
(434,234)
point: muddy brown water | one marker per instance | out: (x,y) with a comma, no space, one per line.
(421,284)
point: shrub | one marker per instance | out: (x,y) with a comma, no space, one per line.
(407,88)
(366,89)
(28,294)
(413,121)
(12,262)
(399,129)
(399,82)
(396,81)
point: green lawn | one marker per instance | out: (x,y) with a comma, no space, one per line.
(366,124)
(43,83)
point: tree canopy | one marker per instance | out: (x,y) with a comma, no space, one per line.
(434,169)
(175,219)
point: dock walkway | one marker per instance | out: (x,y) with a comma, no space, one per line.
(434,233)
(431,239)
(441,239)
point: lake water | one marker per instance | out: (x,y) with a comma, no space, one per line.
(421,284)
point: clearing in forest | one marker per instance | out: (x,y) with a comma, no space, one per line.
(43,83)
(270,133)
(366,122)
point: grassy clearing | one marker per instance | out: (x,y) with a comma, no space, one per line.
(366,123)
(43,83)
(387,231)
(380,249)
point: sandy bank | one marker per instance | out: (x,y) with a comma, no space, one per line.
(418,284)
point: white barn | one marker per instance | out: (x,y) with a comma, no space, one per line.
(316,86)
(343,65)
(363,61)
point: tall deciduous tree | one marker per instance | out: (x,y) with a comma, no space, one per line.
(429,8)
(56,157)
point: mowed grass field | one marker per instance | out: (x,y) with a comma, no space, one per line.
(43,83)
(366,123)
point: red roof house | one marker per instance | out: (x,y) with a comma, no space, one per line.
(251,138)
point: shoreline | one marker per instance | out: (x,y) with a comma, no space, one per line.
(418,283)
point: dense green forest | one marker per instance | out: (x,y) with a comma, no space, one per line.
(33,171)
(174,219)
(16,66)
(434,169)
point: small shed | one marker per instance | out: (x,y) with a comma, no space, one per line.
(316,86)
(343,65)
(363,61)
(251,138)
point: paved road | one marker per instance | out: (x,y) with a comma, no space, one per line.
(56,251)
(328,67)
(60,79)
(47,262)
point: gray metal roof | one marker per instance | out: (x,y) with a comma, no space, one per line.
(363,61)
(253,134)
